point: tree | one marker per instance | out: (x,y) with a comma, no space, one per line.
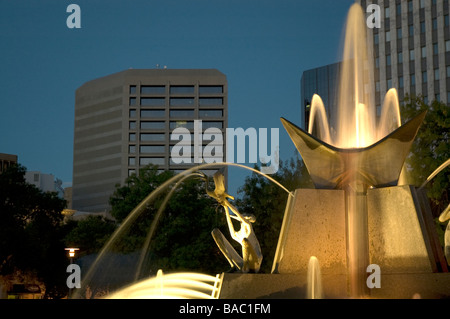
(182,239)
(267,202)
(30,231)
(89,234)
(125,198)
(430,149)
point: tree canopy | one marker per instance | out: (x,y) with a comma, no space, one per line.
(430,149)
(31,237)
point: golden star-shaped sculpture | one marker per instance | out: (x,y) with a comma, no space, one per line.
(377,165)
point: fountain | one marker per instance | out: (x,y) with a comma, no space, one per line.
(358,215)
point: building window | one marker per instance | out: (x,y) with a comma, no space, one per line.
(400,82)
(437,97)
(399,33)
(422,27)
(206,125)
(132,137)
(446,21)
(153,89)
(422,4)
(182,101)
(388,36)
(153,125)
(413,79)
(447,46)
(182,113)
(399,9)
(131,161)
(389,83)
(151,160)
(410,6)
(153,114)
(400,57)
(132,114)
(132,125)
(152,137)
(448,74)
(377,86)
(186,124)
(131,149)
(132,89)
(210,89)
(153,101)
(411,30)
(388,59)
(182,89)
(151,149)
(435,48)
(210,101)
(376,38)
(131,172)
(132,101)
(377,62)
(436,74)
(411,55)
(424,52)
(210,113)
(387,12)
(434,23)
(424,77)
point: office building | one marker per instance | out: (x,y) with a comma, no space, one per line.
(124,121)
(324,82)
(411,49)
(45,182)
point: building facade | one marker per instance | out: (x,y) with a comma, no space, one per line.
(411,49)
(45,182)
(324,82)
(124,122)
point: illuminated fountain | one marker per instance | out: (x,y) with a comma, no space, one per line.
(357,215)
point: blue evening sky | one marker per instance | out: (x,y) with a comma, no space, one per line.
(261,46)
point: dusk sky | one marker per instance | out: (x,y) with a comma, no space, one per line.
(261,46)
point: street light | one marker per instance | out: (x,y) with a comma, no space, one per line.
(72,252)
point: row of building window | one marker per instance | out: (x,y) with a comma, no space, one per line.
(398,8)
(412,78)
(176,89)
(161,149)
(412,54)
(155,125)
(178,101)
(150,137)
(150,114)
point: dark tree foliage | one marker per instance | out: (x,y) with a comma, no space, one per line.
(430,149)
(89,234)
(31,236)
(182,239)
